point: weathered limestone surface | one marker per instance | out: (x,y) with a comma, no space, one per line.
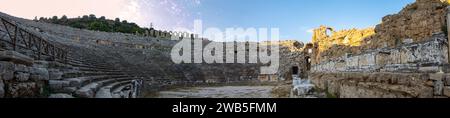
(7,70)
(55,74)
(374,85)
(327,43)
(447,91)
(2,89)
(415,23)
(18,78)
(26,89)
(15,57)
(60,95)
(38,74)
(292,54)
(416,57)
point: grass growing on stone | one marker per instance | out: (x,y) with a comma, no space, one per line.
(329,95)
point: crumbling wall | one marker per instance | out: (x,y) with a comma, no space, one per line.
(326,39)
(416,57)
(414,23)
(20,78)
(292,54)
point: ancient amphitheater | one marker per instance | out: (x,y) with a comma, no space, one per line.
(406,56)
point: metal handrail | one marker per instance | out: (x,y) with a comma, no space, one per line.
(20,37)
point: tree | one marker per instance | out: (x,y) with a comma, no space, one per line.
(117,20)
(98,26)
(64,19)
(92,17)
(102,18)
(55,19)
(85,17)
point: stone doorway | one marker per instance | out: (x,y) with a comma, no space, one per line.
(295,70)
(308,63)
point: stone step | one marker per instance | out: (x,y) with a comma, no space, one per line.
(89,90)
(69,85)
(90,66)
(92,62)
(118,92)
(16,57)
(105,92)
(97,70)
(60,95)
(75,74)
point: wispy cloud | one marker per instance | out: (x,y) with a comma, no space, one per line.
(164,14)
(310,31)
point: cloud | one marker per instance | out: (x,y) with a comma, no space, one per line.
(311,31)
(165,14)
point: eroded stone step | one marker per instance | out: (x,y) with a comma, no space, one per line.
(70,85)
(89,90)
(60,95)
(75,74)
(106,91)
(90,66)
(119,92)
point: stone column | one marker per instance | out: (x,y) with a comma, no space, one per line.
(448,33)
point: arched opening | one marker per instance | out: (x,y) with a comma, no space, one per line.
(295,70)
(308,63)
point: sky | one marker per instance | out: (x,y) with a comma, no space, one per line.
(294,18)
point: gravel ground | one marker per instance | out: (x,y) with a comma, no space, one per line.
(219,92)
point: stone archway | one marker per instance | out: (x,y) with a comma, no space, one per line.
(308,63)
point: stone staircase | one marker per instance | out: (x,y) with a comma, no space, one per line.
(84,78)
(41,66)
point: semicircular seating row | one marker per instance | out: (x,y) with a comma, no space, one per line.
(91,79)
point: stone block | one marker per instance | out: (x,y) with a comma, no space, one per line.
(41,64)
(16,58)
(23,90)
(38,74)
(56,85)
(21,76)
(429,69)
(447,81)
(447,91)
(55,74)
(85,93)
(437,76)
(438,88)
(6,70)
(429,83)
(21,68)
(2,89)
(60,96)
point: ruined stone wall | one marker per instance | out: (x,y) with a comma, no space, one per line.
(414,23)
(407,71)
(416,57)
(292,55)
(20,78)
(332,43)
(378,85)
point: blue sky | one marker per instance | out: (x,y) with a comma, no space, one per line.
(294,18)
